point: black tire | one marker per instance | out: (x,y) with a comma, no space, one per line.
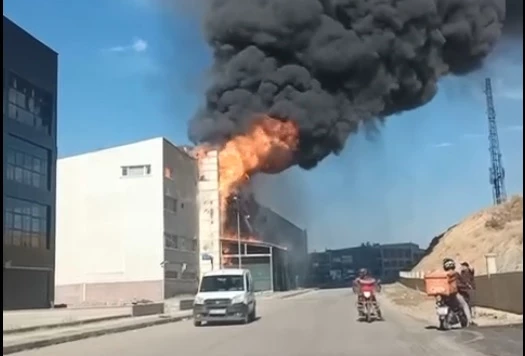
(444,324)
(253,314)
(197,323)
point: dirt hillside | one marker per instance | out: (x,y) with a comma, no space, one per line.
(497,229)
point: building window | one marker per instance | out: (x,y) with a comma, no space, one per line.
(26,223)
(28,104)
(136,171)
(170,204)
(189,275)
(171,274)
(27,168)
(168,173)
(171,241)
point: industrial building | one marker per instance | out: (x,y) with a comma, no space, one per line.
(273,248)
(29,170)
(398,257)
(339,267)
(127,221)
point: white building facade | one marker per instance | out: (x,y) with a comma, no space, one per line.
(127,224)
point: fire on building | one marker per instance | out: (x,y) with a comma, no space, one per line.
(272,248)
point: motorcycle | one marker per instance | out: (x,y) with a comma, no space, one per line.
(449,312)
(368,303)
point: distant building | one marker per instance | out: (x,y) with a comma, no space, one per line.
(127,224)
(339,267)
(399,257)
(342,265)
(30,151)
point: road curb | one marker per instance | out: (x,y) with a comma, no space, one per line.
(66,324)
(296,294)
(89,334)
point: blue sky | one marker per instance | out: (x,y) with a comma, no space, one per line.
(128,72)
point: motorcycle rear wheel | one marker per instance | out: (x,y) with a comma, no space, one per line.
(444,324)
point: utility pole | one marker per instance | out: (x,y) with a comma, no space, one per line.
(238,208)
(496,170)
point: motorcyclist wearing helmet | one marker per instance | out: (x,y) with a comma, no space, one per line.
(463,288)
(365,278)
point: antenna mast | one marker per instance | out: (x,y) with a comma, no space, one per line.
(496,171)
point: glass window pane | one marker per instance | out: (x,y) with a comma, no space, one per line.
(35,240)
(12,112)
(10,172)
(17,238)
(35,210)
(11,156)
(12,95)
(21,99)
(19,156)
(26,223)
(8,219)
(36,164)
(17,219)
(26,208)
(35,180)
(35,225)
(8,236)
(26,239)
(26,175)
(28,162)
(18,174)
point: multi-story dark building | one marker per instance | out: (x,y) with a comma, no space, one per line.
(30,151)
(339,267)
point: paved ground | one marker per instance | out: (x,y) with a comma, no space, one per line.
(494,341)
(319,323)
(33,318)
(422,307)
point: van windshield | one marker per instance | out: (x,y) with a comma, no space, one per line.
(222,283)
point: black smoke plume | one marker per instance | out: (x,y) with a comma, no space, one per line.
(335,65)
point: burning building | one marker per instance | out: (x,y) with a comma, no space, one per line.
(235,230)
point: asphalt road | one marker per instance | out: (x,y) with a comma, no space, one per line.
(319,323)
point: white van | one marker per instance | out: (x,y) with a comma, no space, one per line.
(225,295)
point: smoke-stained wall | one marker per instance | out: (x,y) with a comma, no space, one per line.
(274,228)
(209,213)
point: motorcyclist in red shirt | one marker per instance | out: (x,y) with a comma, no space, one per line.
(364,278)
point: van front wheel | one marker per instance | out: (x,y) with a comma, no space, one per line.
(253,315)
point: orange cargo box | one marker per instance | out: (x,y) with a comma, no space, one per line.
(440,283)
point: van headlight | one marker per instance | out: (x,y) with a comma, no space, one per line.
(198,300)
(238,299)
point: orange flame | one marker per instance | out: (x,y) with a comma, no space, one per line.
(267,147)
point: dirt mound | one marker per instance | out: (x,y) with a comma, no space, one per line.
(498,229)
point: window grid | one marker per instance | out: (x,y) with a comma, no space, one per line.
(136,171)
(27,169)
(179,243)
(28,104)
(170,204)
(25,224)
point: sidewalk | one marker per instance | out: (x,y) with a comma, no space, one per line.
(16,342)
(27,320)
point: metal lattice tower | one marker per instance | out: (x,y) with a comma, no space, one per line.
(496,171)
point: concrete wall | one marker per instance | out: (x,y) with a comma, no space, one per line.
(209,212)
(501,291)
(28,270)
(110,226)
(181,183)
